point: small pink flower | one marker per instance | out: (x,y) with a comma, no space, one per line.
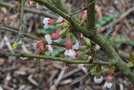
(84,14)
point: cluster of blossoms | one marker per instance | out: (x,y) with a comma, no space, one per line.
(72,45)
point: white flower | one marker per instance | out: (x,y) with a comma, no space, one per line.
(81,35)
(76,45)
(46,26)
(98,80)
(45,22)
(108,84)
(50,50)
(84,69)
(58,40)
(80,65)
(70,53)
(48,39)
(60,19)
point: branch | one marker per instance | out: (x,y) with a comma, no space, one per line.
(51,58)
(59,5)
(27,35)
(83,9)
(30,10)
(91,17)
(17,32)
(97,38)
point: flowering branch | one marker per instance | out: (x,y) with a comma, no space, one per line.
(97,38)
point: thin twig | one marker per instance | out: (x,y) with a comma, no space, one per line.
(84,8)
(30,10)
(51,58)
(17,32)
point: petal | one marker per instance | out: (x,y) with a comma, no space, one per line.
(98,80)
(80,65)
(58,40)
(46,26)
(46,20)
(50,49)
(76,45)
(48,39)
(84,69)
(60,19)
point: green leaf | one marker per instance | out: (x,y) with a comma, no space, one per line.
(98,71)
(50,30)
(90,66)
(45,31)
(130,64)
(98,25)
(14,45)
(102,22)
(53,27)
(88,42)
(105,69)
(58,51)
(113,67)
(93,70)
(107,18)
(131,57)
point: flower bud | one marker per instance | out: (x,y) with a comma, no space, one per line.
(69,44)
(109,78)
(111,72)
(51,21)
(84,14)
(41,45)
(54,35)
